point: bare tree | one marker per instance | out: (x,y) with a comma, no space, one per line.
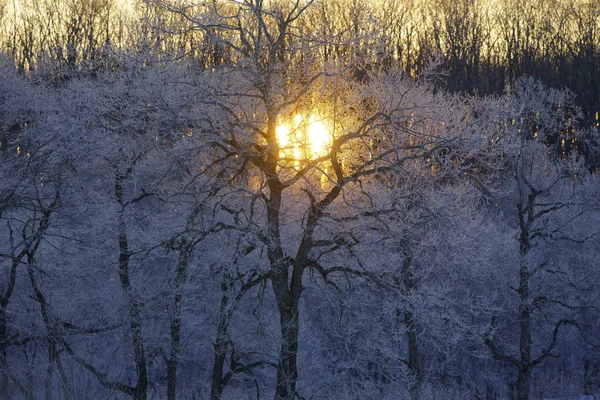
(548,198)
(372,130)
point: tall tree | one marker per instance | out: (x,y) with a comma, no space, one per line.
(548,201)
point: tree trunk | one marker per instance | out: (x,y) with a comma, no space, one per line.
(407,287)
(414,369)
(141,388)
(180,278)
(524,379)
(52,333)
(48,384)
(4,392)
(221,345)
(286,297)
(287,300)
(229,300)
(523,383)
(287,370)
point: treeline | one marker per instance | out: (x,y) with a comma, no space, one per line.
(484,45)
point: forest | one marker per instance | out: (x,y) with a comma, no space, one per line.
(299,199)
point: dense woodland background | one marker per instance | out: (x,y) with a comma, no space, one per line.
(160,237)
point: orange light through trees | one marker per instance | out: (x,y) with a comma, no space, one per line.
(305,138)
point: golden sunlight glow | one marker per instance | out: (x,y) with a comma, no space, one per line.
(319,137)
(283,137)
(304,138)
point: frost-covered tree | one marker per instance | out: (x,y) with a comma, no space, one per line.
(313,138)
(550,203)
(30,195)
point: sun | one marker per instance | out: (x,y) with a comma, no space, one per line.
(319,137)
(304,138)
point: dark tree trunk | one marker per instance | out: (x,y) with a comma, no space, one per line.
(408,285)
(525,340)
(413,356)
(4,340)
(141,389)
(52,333)
(287,370)
(221,345)
(523,383)
(4,392)
(180,278)
(53,337)
(526,219)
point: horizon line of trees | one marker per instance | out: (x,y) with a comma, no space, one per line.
(483,45)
